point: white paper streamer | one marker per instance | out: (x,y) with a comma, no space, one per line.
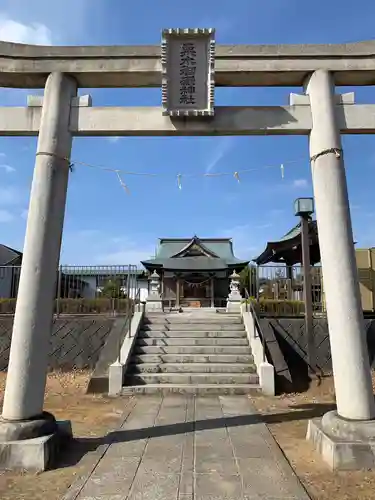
(122,183)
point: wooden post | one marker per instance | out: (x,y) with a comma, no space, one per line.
(212,291)
(289,275)
(276,290)
(178,292)
(162,290)
(305,239)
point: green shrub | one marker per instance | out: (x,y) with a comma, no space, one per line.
(78,306)
(272,307)
(7,306)
(92,306)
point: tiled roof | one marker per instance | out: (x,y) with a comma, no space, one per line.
(295,231)
(189,263)
(217,253)
(8,255)
(288,248)
(99,271)
(222,247)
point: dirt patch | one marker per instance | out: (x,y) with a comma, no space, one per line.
(287,417)
(92,417)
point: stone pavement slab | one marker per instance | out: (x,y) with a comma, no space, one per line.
(184,447)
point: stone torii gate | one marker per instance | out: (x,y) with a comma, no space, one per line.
(60,115)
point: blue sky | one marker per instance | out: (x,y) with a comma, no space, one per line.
(104,225)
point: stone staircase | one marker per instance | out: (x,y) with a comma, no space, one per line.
(202,352)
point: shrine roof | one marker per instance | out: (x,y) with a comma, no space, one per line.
(195,254)
(288,248)
(8,255)
(294,232)
(188,264)
(110,271)
(221,247)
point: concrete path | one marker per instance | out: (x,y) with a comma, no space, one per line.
(185,448)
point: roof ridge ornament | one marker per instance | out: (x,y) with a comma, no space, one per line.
(195,241)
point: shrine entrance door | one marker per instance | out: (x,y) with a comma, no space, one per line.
(196,290)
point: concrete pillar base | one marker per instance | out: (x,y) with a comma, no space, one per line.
(154,303)
(343,444)
(35,454)
(266,373)
(115,378)
(234,302)
(17,430)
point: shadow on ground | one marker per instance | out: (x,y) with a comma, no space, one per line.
(82,446)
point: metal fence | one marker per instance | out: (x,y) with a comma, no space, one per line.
(278,290)
(79,289)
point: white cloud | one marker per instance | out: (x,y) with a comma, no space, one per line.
(300,183)
(243,240)
(88,233)
(126,256)
(10,195)
(96,247)
(6,216)
(113,138)
(277,211)
(125,251)
(24,214)
(222,149)
(230,198)
(8,169)
(14,31)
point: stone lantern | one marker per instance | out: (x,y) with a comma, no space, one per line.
(154,283)
(234,298)
(154,300)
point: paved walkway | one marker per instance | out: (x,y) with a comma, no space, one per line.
(190,448)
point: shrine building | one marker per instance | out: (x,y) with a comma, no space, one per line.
(195,272)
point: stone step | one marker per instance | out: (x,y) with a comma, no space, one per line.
(190,341)
(191,368)
(192,358)
(198,327)
(201,389)
(193,319)
(158,334)
(191,349)
(204,310)
(191,378)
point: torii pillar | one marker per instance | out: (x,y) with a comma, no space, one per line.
(23,420)
(343,436)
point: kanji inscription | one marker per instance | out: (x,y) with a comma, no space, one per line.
(188,68)
(188,62)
